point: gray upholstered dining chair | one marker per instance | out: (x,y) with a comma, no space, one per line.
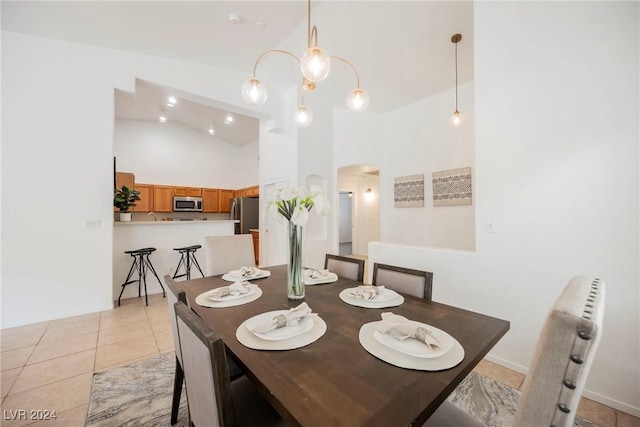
(561,361)
(213,399)
(226,253)
(175,294)
(350,268)
(417,283)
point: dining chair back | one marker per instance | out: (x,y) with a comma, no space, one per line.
(226,253)
(561,360)
(174,294)
(215,400)
(417,283)
(349,268)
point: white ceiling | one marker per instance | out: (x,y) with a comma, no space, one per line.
(401,49)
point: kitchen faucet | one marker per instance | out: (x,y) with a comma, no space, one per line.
(154,216)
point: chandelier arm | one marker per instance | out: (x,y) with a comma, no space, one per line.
(309,23)
(270,52)
(313,36)
(350,66)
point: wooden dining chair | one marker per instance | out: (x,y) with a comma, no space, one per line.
(214,400)
(349,268)
(174,294)
(226,253)
(560,365)
(417,283)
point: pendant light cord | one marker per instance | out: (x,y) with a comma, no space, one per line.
(456,76)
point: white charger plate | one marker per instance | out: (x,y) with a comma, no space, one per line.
(446,361)
(248,339)
(231,297)
(329,278)
(395,301)
(204,301)
(413,347)
(235,275)
(304,324)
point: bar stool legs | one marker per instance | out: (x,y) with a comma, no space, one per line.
(141,264)
(187,256)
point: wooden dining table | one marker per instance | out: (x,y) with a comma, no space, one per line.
(334,381)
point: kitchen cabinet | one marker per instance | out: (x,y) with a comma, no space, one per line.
(225,200)
(256,244)
(187,191)
(240,193)
(145,204)
(210,200)
(253,191)
(125,178)
(162,198)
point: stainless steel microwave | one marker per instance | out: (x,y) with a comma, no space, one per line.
(187,204)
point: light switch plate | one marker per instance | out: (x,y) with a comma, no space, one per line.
(92,223)
(489,227)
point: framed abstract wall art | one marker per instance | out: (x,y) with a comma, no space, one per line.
(452,187)
(408,191)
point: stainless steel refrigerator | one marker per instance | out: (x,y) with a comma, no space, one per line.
(246,210)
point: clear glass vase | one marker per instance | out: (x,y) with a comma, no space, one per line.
(295,282)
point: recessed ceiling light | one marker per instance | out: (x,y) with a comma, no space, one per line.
(163,117)
(211,130)
(234,18)
(228,119)
(171,101)
(261,25)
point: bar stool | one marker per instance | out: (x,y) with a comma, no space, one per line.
(187,256)
(141,264)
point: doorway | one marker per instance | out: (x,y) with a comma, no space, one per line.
(345,223)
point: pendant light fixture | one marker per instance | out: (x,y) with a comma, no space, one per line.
(315,65)
(456,118)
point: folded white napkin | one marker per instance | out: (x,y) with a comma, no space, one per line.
(248,271)
(402,328)
(316,274)
(290,318)
(238,288)
(367,292)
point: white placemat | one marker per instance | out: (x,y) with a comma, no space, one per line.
(230,277)
(248,339)
(345,296)
(330,278)
(448,360)
(204,301)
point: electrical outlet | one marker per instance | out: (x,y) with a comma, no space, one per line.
(489,227)
(92,223)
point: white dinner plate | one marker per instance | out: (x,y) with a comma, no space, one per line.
(204,300)
(413,347)
(329,278)
(446,361)
(235,275)
(230,297)
(384,295)
(304,325)
(396,300)
(248,339)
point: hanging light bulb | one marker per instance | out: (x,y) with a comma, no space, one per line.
(456,119)
(358,100)
(254,92)
(315,64)
(303,116)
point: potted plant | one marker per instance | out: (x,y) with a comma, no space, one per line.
(123,199)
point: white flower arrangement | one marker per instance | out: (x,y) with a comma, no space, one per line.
(294,204)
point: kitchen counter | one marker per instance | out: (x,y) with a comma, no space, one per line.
(164,236)
(130,223)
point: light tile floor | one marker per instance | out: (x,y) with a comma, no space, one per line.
(49,366)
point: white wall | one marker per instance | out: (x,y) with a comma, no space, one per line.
(173,154)
(57,165)
(557,163)
(345,213)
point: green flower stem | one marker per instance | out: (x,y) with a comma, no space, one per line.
(295,282)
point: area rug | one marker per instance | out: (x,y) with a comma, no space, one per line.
(140,394)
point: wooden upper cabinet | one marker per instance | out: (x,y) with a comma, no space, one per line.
(146,198)
(225,200)
(253,191)
(210,200)
(125,178)
(187,191)
(162,198)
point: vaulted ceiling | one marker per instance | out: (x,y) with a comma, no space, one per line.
(401,49)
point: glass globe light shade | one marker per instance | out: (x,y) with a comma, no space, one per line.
(358,100)
(254,92)
(315,64)
(303,116)
(456,119)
